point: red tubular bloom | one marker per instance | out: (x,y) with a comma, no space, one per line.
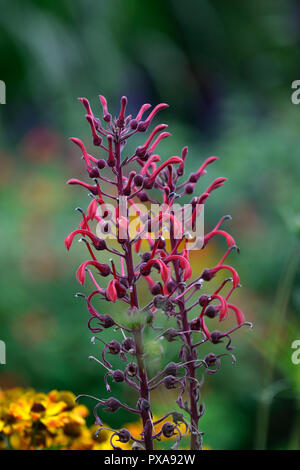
(92,189)
(142,111)
(111,291)
(229,239)
(86,233)
(183,261)
(152,159)
(156,110)
(223,306)
(162,136)
(97,140)
(204,165)
(86,104)
(104,270)
(238,314)
(84,152)
(111,158)
(170,161)
(155,131)
(164,271)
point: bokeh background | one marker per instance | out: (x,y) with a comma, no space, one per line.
(226,70)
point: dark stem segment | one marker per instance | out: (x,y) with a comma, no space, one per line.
(191,355)
(138,333)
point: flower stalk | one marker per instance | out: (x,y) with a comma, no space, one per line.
(174,295)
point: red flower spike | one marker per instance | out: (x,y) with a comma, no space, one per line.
(171,294)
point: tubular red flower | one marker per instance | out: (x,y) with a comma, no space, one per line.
(104,270)
(111,290)
(223,306)
(79,143)
(164,271)
(161,136)
(229,239)
(86,233)
(156,110)
(170,161)
(155,131)
(183,261)
(142,111)
(238,314)
(92,189)
(208,161)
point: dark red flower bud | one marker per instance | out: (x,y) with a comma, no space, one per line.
(131,369)
(94,172)
(133,124)
(189,189)
(101,164)
(107,321)
(138,180)
(156,288)
(211,311)
(145,269)
(114,347)
(207,275)
(112,404)
(128,344)
(195,324)
(118,376)
(171,369)
(216,336)
(193,178)
(168,429)
(171,286)
(203,299)
(161,244)
(142,126)
(148,184)
(146,256)
(210,359)
(170,335)
(124,436)
(143,197)
(99,244)
(170,382)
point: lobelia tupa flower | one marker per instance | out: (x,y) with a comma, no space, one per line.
(165,267)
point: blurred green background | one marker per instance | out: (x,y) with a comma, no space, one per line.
(226,70)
